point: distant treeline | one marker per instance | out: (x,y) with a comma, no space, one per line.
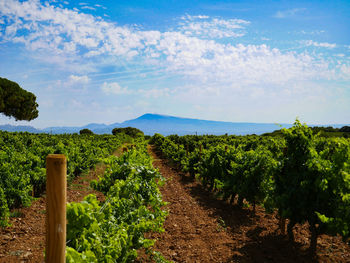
(323,131)
(331,129)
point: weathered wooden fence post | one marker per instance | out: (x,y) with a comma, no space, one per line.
(56,197)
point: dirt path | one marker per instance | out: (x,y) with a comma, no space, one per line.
(201,228)
(191,234)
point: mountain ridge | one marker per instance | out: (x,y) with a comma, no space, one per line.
(151,123)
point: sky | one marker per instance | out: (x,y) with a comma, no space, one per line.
(108,61)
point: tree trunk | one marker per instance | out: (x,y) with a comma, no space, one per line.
(313,241)
(212,185)
(290,231)
(232,199)
(240,201)
(282,225)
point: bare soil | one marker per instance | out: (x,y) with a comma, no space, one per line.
(24,240)
(202,228)
(199,227)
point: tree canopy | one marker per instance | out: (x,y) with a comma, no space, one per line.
(345,129)
(86,131)
(131,131)
(17,102)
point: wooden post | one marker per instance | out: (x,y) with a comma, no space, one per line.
(282,223)
(56,196)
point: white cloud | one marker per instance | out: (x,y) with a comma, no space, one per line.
(204,26)
(188,17)
(101,6)
(205,61)
(113,88)
(345,70)
(191,52)
(155,92)
(319,44)
(88,7)
(74,83)
(77,104)
(289,12)
(315,32)
(51,28)
(79,79)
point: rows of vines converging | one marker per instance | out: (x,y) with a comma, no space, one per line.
(304,177)
(113,230)
(23,157)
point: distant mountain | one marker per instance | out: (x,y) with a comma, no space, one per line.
(166,125)
(19,128)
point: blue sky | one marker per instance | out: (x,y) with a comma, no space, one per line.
(245,61)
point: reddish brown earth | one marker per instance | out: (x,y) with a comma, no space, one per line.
(201,228)
(24,241)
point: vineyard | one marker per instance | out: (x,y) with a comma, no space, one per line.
(97,231)
(114,230)
(299,177)
(22,163)
(303,177)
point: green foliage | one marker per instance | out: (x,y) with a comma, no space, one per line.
(345,129)
(230,165)
(304,176)
(4,210)
(86,131)
(289,195)
(317,129)
(22,162)
(17,102)
(132,132)
(334,181)
(313,183)
(327,132)
(112,231)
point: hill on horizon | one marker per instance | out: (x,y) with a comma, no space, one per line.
(165,125)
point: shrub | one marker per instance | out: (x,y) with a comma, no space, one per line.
(86,131)
(132,132)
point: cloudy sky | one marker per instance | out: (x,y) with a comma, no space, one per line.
(243,61)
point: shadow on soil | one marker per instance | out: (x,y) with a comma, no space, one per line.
(233,216)
(268,248)
(271,248)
